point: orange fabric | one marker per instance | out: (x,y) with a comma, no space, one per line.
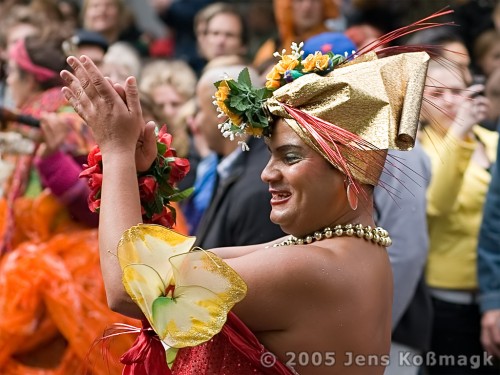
(39,218)
(51,290)
(4,213)
(284,20)
(181,225)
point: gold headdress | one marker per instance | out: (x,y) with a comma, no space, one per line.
(377,99)
(350,109)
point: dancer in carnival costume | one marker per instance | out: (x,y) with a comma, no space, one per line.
(317,302)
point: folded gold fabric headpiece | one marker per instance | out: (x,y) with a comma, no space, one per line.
(350,109)
(378,100)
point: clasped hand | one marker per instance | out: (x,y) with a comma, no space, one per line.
(112,111)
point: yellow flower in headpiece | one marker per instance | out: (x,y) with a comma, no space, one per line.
(256,132)
(287,62)
(222,92)
(235,119)
(318,61)
(243,105)
(220,96)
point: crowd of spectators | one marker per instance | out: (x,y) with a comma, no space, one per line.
(177,48)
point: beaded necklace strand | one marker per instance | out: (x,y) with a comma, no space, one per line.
(377,235)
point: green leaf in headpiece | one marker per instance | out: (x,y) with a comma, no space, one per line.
(263,93)
(336,59)
(234,87)
(237,104)
(244,78)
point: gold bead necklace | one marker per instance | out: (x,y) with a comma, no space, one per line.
(377,235)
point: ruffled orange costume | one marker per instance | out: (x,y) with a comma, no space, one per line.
(52,300)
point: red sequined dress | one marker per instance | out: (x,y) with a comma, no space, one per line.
(233,351)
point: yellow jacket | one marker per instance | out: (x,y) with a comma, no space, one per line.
(455,196)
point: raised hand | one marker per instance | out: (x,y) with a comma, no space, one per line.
(116,122)
(111,110)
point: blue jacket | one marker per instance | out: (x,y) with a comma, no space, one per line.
(488,262)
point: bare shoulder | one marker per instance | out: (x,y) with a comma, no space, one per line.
(289,276)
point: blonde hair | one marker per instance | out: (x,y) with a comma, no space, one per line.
(175,73)
(179,75)
(123,54)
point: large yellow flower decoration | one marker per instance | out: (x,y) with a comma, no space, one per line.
(185,294)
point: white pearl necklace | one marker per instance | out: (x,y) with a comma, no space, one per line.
(377,235)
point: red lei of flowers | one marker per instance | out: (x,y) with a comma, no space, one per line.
(157,185)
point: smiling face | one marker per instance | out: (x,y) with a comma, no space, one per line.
(308,194)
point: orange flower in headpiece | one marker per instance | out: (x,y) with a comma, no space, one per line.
(287,62)
(273,84)
(318,61)
(274,75)
(273,79)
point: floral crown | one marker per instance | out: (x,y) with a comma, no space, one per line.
(244,105)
